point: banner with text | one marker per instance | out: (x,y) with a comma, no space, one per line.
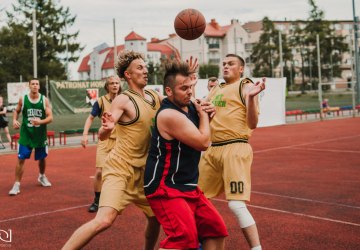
(72,97)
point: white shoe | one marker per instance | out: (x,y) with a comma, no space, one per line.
(15,189)
(44,181)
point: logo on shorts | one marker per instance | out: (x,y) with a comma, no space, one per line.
(5,236)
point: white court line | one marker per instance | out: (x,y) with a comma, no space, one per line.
(309,200)
(330,150)
(304,144)
(43,213)
(299,214)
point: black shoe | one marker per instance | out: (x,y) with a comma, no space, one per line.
(93,208)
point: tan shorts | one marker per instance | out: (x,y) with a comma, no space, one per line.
(227,168)
(102,150)
(123,184)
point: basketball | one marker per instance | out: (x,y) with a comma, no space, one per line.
(189,24)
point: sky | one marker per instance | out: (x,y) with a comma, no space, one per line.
(155,18)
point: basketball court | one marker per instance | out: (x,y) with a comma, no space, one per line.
(305,194)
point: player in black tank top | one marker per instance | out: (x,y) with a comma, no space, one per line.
(171,174)
(181,172)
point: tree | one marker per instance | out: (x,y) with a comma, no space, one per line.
(332,46)
(266,53)
(55,46)
(208,70)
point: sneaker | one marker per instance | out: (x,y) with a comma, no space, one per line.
(44,181)
(15,189)
(93,208)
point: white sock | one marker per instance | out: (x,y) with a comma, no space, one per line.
(256,248)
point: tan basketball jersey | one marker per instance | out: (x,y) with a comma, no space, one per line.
(229,122)
(105,104)
(134,136)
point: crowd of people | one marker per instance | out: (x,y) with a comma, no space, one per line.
(166,155)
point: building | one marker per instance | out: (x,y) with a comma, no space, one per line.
(100,62)
(209,48)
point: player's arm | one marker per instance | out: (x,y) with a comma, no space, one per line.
(109,119)
(251,92)
(48,112)
(16,123)
(96,111)
(173,124)
(88,122)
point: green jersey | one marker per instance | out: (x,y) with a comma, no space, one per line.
(30,135)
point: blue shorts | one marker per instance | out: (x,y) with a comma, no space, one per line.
(24,152)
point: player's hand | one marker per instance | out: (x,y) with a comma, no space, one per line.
(256,88)
(35,121)
(16,124)
(84,141)
(193,64)
(209,108)
(198,107)
(107,121)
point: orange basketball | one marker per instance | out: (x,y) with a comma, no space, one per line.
(189,24)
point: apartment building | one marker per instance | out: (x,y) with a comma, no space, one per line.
(217,41)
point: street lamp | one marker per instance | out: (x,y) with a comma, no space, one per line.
(281,55)
(356,20)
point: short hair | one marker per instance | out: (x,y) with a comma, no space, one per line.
(242,62)
(32,79)
(107,82)
(212,79)
(125,59)
(174,68)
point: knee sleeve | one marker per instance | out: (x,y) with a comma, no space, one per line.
(242,213)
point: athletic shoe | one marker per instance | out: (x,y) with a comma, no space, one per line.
(93,208)
(44,181)
(15,189)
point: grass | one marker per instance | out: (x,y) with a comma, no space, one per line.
(311,100)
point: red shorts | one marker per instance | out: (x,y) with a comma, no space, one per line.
(187,219)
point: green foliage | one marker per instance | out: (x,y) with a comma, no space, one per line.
(208,70)
(266,53)
(53,40)
(302,42)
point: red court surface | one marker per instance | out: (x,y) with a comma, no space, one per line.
(306,183)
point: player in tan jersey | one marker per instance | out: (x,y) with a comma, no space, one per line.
(103,104)
(226,165)
(132,113)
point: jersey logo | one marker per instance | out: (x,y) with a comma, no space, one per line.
(218,102)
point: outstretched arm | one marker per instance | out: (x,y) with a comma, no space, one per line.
(251,92)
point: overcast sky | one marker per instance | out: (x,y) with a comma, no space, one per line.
(154,18)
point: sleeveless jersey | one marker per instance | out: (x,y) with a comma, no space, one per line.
(133,137)
(171,165)
(229,122)
(30,135)
(105,104)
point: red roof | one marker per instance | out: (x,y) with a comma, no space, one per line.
(213,29)
(109,60)
(162,48)
(84,65)
(134,37)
